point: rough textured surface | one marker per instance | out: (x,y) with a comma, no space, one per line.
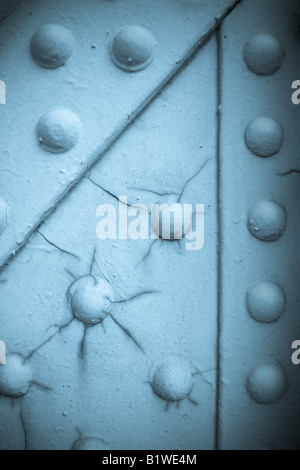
(100,375)
(90,325)
(245,259)
(105,98)
(7,7)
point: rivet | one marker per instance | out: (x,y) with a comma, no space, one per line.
(51,46)
(172,379)
(58,130)
(133,48)
(267,220)
(265,302)
(91,443)
(90,299)
(15,377)
(267,383)
(263,54)
(264,137)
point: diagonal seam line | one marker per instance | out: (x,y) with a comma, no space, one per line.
(11,11)
(185,61)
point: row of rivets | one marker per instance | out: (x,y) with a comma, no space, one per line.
(265,301)
(16,379)
(58,131)
(52,45)
(171,380)
(132,48)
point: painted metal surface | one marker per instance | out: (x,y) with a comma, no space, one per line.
(246,260)
(105,98)
(172,131)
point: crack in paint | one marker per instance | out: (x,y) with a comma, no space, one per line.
(57,247)
(177,70)
(289,172)
(60,328)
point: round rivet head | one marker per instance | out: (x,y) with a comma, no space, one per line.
(264,137)
(263,54)
(58,130)
(267,220)
(133,48)
(51,46)
(15,377)
(90,444)
(90,299)
(3,215)
(173,380)
(267,383)
(265,302)
(170,220)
